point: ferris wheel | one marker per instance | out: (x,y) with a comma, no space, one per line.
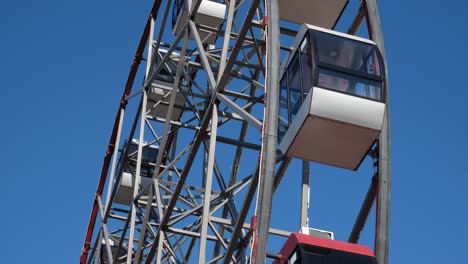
(232,95)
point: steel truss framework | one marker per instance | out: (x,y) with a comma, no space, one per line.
(197,207)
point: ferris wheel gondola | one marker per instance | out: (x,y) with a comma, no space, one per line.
(332,98)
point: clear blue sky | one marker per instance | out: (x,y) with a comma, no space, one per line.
(63,67)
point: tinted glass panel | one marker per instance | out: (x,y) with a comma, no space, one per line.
(294,85)
(168,72)
(350,84)
(306,65)
(350,54)
(165,76)
(283,113)
(317,255)
(149,154)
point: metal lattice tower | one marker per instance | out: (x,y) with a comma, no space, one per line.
(185,160)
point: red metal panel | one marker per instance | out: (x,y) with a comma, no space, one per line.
(298,238)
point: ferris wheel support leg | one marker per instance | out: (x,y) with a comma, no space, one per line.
(305,191)
(384,177)
(269,139)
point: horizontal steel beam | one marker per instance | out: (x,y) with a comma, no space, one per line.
(240,111)
(228,222)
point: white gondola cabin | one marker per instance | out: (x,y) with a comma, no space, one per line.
(159,92)
(322,13)
(149,154)
(210,14)
(331,98)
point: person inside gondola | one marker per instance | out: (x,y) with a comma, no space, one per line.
(329,81)
(336,55)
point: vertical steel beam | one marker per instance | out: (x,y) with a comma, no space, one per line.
(104,231)
(209,181)
(160,34)
(227,34)
(238,43)
(137,178)
(173,151)
(204,168)
(159,240)
(142,237)
(170,109)
(149,60)
(384,179)
(98,249)
(144,226)
(269,139)
(305,193)
(114,162)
